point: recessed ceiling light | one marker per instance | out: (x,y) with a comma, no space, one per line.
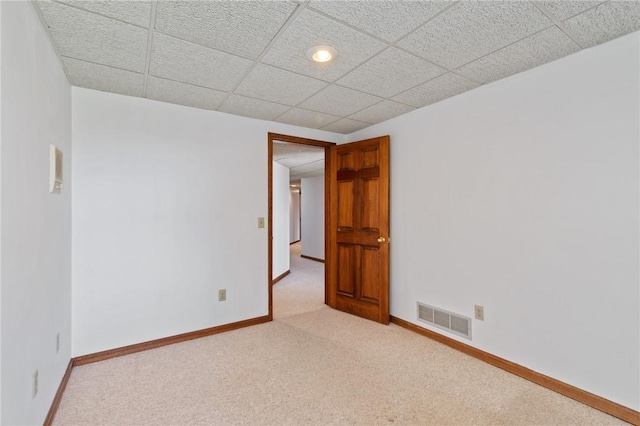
(321,53)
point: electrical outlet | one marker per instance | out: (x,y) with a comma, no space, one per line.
(34,387)
(479,310)
(222,295)
(261,222)
(57,342)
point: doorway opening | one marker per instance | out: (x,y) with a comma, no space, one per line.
(296,166)
(277,144)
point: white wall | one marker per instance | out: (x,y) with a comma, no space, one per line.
(313,217)
(522,196)
(1,213)
(294,215)
(159,224)
(1,61)
(35,225)
(280,260)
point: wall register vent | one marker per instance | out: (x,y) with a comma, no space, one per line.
(454,323)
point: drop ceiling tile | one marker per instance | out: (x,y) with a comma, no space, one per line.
(294,155)
(194,64)
(298,176)
(83,35)
(309,167)
(564,9)
(300,159)
(286,148)
(302,166)
(243,28)
(381,112)
(312,29)
(283,87)
(605,22)
(304,118)
(339,101)
(346,125)
(436,90)
(391,72)
(470,30)
(530,52)
(132,12)
(255,108)
(304,163)
(389,20)
(184,94)
(104,78)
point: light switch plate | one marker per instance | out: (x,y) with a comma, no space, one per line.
(261,222)
(479,312)
(34,384)
(55,169)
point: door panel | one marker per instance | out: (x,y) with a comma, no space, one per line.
(370,273)
(346,273)
(345,210)
(370,158)
(370,205)
(346,161)
(359,229)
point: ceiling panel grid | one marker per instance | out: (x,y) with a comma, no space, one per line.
(249,58)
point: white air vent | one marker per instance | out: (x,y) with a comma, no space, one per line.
(456,324)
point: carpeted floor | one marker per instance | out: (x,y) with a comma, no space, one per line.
(311,365)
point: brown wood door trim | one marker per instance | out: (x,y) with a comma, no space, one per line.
(48,421)
(315,259)
(280,277)
(271,137)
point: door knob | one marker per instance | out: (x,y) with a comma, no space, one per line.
(381,239)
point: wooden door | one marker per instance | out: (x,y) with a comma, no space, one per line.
(359,234)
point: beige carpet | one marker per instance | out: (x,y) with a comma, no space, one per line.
(312,365)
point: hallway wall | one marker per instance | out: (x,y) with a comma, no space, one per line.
(294,215)
(313,217)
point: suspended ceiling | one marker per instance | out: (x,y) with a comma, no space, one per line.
(303,161)
(249,57)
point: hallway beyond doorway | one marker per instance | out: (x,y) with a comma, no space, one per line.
(302,290)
